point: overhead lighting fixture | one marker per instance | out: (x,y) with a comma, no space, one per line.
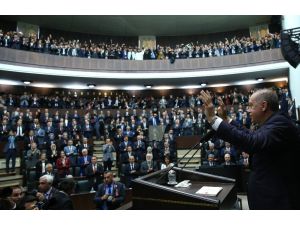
(27,82)
(148,86)
(91,85)
(203,84)
(260,79)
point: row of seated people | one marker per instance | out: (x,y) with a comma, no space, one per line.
(50,45)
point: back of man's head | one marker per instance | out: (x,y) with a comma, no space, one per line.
(67,186)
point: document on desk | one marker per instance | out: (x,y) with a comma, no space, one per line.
(183,184)
(209,191)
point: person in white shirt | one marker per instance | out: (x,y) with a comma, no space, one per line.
(167,163)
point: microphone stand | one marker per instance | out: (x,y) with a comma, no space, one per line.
(171,167)
(203,139)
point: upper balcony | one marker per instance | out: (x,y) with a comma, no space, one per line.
(32,59)
(162,72)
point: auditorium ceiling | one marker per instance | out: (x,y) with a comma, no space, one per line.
(135,25)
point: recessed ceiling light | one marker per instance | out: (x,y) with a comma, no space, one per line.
(91,85)
(203,84)
(27,82)
(148,85)
(260,79)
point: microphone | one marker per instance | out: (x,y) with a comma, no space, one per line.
(205,138)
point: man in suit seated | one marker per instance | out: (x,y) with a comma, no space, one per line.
(84,161)
(110,194)
(227,160)
(131,171)
(94,173)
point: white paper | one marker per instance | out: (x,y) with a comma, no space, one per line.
(183,184)
(209,191)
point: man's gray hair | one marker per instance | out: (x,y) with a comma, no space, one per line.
(48,178)
(269,96)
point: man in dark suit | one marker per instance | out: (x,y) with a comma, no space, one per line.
(274,143)
(46,190)
(110,194)
(51,172)
(40,166)
(29,139)
(84,161)
(10,151)
(61,199)
(19,129)
(94,173)
(4,129)
(131,171)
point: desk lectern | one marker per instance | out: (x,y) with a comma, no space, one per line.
(153,192)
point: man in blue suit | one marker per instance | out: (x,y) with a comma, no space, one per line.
(274,143)
(110,194)
(10,150)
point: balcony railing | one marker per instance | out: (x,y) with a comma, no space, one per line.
(40,60)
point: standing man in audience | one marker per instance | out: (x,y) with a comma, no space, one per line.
(84,161)
(10,151)
(110,194)
(276,142)
(108,156)
(94,173)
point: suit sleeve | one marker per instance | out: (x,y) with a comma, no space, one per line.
(264,139)
(121,197)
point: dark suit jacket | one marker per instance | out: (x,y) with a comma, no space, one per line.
(275,143)
(38,168)
(97,176)
(27,142)
(60,201)
(118,193)
(144,167)
(82,165)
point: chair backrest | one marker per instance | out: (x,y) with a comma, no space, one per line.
(82,186)
(76,171)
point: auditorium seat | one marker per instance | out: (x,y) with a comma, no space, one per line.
(82,186)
